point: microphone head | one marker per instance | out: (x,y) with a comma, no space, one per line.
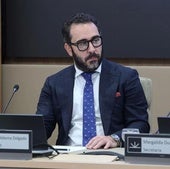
(15,88)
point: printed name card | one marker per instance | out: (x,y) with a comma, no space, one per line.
(147,147)
(16,144)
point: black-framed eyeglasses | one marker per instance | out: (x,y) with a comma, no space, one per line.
(83,44)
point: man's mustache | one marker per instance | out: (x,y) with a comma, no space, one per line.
(92,56)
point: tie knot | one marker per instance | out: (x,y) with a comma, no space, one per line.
(87,76)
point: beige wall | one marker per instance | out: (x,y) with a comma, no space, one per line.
(31,78)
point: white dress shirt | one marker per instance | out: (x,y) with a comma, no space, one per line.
(76,131)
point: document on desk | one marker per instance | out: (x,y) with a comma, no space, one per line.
(76,158)
(84,151)
(69,149)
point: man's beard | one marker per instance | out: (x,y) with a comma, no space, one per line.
(87,67)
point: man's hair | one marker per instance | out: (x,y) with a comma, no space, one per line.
(77,19)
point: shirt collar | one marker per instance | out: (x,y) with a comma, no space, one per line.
(79,72)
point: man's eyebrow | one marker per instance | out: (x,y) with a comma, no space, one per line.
(82,40)
(87,39)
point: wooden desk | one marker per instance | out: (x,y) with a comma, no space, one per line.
(74,161)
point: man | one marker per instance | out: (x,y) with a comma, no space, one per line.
(119,100)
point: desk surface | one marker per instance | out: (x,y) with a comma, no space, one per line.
(73,161)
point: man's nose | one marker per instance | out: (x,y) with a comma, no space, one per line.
(91,47)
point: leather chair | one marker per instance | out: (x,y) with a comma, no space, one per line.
(147,87)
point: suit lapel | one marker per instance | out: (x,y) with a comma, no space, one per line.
(109,82)
(68,99)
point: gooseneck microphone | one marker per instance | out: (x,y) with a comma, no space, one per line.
(15,89)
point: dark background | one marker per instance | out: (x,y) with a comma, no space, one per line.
(130,28)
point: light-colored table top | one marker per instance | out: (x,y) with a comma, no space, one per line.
(75,161)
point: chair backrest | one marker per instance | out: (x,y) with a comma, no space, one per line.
(147,87)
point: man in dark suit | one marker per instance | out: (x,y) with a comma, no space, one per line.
(119,100)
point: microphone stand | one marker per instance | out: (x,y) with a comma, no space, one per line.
(15,89)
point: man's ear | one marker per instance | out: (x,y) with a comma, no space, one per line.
(68,49)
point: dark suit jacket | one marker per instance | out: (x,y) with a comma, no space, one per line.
(121,99)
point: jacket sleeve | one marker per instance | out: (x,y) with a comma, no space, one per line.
(45,107)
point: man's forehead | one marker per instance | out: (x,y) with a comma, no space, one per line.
(83,31)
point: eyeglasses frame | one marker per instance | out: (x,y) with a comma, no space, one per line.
(91,40)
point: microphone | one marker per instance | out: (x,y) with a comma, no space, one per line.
(15,89)
(168,114)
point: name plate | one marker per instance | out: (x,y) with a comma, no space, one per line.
(16,144)
(147,148)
